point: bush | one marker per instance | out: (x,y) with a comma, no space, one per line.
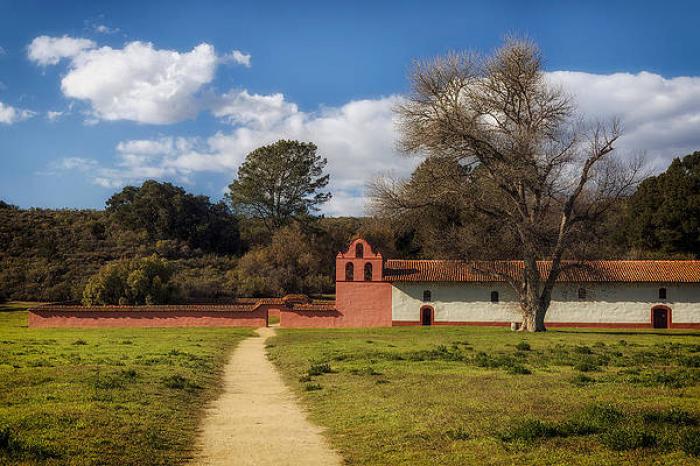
(690,443)
(628,438)
(517,369)
(138,281)
(674,416)
(586,366)
(319,369)
(523,346)
(179,382)
(530,430)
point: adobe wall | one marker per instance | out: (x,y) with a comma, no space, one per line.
(363,304)
(182,318)
(290,318)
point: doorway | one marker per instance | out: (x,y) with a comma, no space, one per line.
(426,315)
(660,317)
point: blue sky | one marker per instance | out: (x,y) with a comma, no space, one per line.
(153,89)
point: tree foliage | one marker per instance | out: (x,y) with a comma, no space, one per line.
(290,264)
(279,183)
(664,214)
(167,212)
(136,281)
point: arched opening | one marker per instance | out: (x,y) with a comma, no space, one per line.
(426,315)
(359,250)
(494,297)
(349,272)
(427,296)
(368,272)
(662,293)
(661,317)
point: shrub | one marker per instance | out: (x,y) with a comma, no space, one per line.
(628,438)
(457,434)
(586,366)
(674,416)
(179,382)
(690,443)
(137,281)
(517,369)
(602,415)
(312,387)
(319,369)
(582,379)
(523,346)
(530,430)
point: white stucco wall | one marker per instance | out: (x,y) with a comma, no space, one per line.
(604,303)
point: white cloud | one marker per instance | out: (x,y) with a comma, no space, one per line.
(140,83)
(2,51)
(10,115)
(660,116)
(45,50)
(54,115)
(236,56)
(240,107)
(103,29)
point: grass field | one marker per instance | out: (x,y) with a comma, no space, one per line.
(104,396)
(467,395)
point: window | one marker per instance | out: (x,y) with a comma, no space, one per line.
(427,296)
(359,250)
(581,293)
(368,272)
(494,296)
(349,272)
(662,293)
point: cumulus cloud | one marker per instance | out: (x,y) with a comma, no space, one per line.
(236,56)
(140,83)
(660,116)
(10,115)
(45,50)
(104,29)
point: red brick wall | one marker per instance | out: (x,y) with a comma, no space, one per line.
(199,318)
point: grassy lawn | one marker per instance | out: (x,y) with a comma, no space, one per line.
(104,396)
(468,395)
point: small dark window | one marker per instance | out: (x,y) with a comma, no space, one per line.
(427,296)
(359,250)
(662,293)
(368,272)
(349,272)
(581,293)
(494,296)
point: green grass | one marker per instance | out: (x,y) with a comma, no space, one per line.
(104,396)
(467,395)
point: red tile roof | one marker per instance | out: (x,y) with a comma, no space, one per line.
(589,271)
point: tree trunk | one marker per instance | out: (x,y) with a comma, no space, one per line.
(533,318)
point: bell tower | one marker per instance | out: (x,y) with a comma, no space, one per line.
(359,263)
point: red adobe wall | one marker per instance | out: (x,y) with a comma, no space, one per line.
(200,318)
(366,304)
(309,319)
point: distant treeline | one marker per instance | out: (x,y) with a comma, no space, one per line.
(49,255)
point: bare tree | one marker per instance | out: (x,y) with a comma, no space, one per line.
(524,156)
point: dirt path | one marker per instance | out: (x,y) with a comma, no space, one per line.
(257,420)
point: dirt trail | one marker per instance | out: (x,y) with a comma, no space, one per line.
(257,420)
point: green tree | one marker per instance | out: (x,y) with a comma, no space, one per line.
(279,183)
(290,264)
(165,211)
(137,281)
(664,214)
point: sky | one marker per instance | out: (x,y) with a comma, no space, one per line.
(96,95)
